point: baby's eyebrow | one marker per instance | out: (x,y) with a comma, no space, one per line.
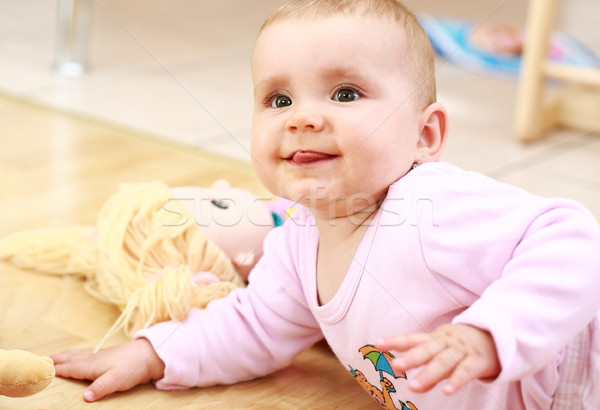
(342,72)
(328,73)
(269,83)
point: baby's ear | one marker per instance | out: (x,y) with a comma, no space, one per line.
(433,127)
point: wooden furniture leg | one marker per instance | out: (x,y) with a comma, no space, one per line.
(576,104)
(532,117)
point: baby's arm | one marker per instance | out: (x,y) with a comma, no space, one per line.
(525,268)
(457,352)
(117,368)
(259,329)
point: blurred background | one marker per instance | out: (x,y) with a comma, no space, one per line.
(179,71)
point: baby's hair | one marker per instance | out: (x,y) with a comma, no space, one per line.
(418,50)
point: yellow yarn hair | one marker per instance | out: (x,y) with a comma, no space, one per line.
(140,257)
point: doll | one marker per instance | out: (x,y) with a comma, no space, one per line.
(155,252)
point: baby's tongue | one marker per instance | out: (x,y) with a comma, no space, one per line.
(303,157)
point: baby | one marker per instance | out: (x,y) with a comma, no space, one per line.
(488,295)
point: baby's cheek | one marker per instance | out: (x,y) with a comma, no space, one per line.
(265,173)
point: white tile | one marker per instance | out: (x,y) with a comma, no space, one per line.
(581,164)
(545,181)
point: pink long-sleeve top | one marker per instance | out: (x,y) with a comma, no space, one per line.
(446,246)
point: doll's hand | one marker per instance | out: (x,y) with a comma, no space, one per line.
(117,368)
(457,352)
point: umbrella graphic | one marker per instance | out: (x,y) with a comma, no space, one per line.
(381,360)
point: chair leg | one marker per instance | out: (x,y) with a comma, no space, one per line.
(531,117)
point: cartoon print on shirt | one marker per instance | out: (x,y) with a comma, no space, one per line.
(381,363)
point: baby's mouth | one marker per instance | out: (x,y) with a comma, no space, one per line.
(308,157)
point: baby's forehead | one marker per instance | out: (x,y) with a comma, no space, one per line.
(335,26)
(308,53)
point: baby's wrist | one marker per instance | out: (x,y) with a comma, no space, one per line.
(155,367)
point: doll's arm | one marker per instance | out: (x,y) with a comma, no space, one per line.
(23,373)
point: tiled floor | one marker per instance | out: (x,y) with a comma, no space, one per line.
(179,70)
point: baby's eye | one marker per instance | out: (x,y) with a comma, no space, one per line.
(346,95)
(281,101)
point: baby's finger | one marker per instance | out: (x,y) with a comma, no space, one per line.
(469,369)
(76,365)
(72,354)
(420,354)
(437,369)
(72,370)
(104,385)
(403,342)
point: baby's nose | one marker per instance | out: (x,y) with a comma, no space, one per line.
(305,121)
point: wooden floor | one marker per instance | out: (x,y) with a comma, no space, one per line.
(56,170)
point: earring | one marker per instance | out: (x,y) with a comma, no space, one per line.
(416,164)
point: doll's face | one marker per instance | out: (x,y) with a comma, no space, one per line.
(234,219)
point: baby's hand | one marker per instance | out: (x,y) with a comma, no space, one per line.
(457,352)
(116,368)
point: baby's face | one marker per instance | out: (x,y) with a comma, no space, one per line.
(334,120)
